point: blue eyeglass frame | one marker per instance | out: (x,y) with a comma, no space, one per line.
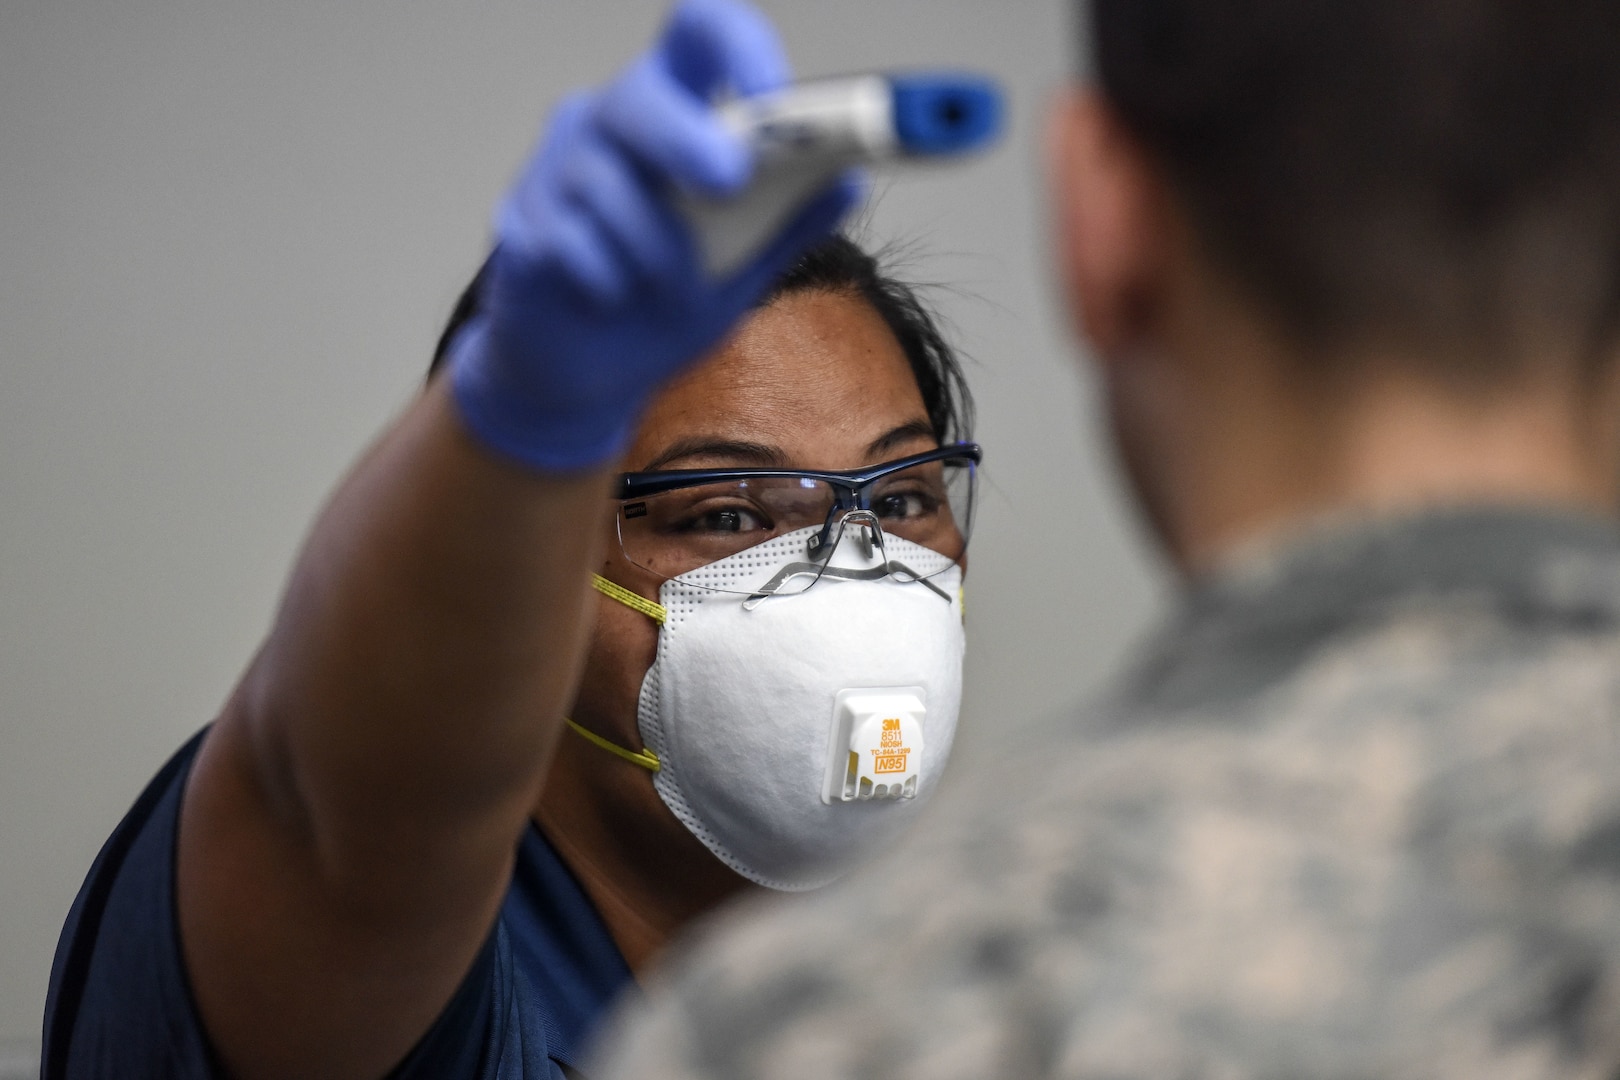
(852,489)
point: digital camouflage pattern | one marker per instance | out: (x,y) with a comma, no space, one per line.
(1355,814)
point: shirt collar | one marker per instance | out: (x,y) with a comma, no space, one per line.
(1260,614)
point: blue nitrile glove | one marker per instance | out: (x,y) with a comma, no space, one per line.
(595,293)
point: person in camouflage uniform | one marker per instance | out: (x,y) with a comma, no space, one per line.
(1352,274)
(1355,814)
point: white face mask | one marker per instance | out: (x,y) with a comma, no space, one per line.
(796,733)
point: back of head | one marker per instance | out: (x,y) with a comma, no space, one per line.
(1439,174)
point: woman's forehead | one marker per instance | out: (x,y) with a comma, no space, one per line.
(814,378)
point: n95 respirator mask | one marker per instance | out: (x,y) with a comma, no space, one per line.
(795,733)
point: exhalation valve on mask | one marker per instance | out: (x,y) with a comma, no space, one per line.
(875,748)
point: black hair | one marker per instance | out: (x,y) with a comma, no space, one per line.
(838,264)
(1445,172)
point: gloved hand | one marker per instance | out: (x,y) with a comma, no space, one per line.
(595,293)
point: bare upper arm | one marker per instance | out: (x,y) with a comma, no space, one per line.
(300,971)
(350,823)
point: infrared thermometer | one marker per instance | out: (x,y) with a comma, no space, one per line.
(805,134)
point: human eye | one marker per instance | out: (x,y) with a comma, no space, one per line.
(729,517)
(905,503)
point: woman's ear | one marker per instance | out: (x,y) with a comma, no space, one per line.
(1111,214)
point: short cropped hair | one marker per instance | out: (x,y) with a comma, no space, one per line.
(840,265)
(1443,172)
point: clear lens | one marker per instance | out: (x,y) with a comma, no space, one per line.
(929,504)
(675,532)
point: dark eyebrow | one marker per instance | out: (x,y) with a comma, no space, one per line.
(905,433)
(721,452)
(741,453)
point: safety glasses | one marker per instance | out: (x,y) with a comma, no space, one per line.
(676,521)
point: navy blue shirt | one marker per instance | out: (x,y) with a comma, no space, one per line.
(120,1004)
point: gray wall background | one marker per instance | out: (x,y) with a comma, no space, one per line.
(229,234)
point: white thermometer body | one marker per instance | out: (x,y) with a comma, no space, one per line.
(804,135)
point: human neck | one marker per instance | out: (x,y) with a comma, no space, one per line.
(1247,443)
(646,875)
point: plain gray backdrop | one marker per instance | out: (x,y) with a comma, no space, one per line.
(229,235)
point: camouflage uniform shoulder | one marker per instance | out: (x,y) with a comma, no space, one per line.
(1355,812)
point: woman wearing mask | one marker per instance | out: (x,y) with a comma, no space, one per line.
(653,594)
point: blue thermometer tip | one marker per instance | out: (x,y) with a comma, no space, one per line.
(945,114)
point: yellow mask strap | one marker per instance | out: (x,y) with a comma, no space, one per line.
(652,609)
(645,758)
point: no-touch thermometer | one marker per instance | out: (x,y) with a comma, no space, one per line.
(807,133)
